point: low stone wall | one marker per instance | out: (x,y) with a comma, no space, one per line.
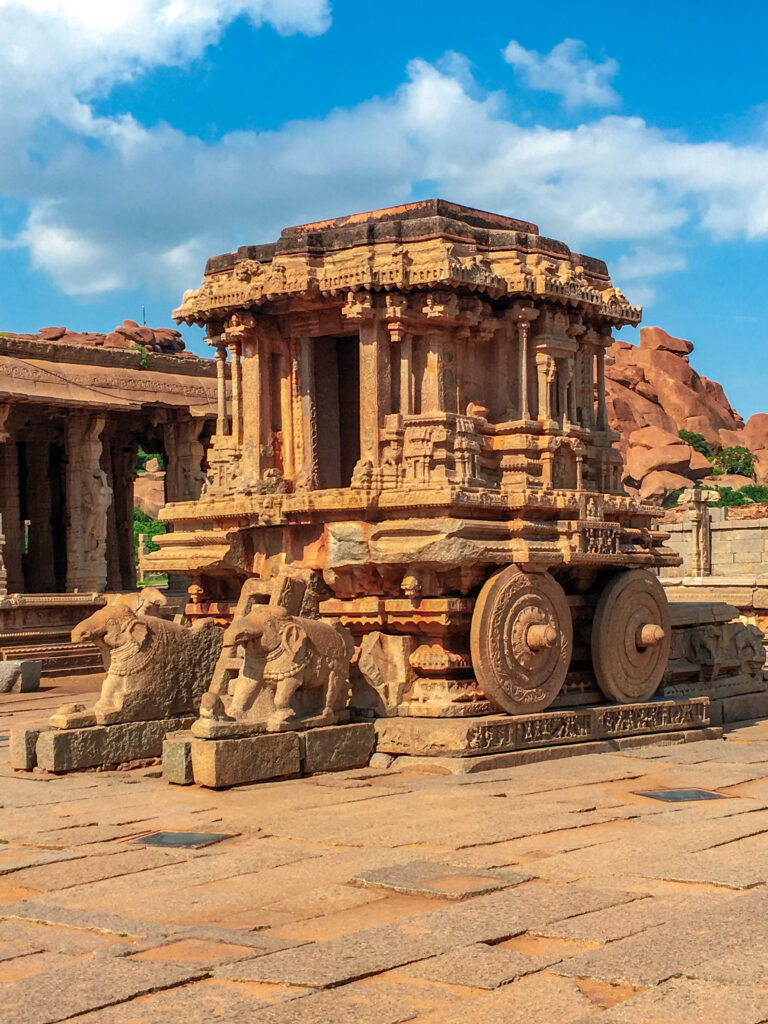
(738,542)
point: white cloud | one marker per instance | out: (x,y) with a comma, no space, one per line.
(115,205)
(567,72)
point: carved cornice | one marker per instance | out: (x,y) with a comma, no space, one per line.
(424,264)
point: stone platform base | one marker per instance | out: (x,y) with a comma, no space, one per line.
(70,750)
(496,734)
(489,762)
(234,761)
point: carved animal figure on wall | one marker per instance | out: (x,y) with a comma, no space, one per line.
(303,662)
(155,669)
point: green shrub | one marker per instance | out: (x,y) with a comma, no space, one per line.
(755,492)
(729,497)
(142,523)
(698,442)
(736,459)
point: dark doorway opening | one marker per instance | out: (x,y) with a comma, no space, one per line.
(337,397)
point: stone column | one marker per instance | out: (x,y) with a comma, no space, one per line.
(523,317)
(602,414)
(221,391)
(39,569)
(546,368)
(286,416)
(237,393)
(305,364)
(433,382)
(88,498)
(10,506)
(3,573)
(184,457)
(406,375)
(701,535)
(375,386)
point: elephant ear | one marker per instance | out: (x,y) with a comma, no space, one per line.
(270,634)
(294,639)
(138,631)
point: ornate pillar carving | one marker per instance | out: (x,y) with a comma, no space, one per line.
(523,316)
(306,478)
(701,535)
(237,392)
(88,498)
(602,414)
(184,457)
(221,391)
(375,386)
(546,368)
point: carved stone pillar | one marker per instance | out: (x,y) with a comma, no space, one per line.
(546,368)
(3,573)
(237,393)
(701,535)
(221,391)
(184,457)
(10,506)
(602,414)
(433,390)
(40,578)
(88,498)
(306,477)
(406,375)
(286,416)
(375,386)
(523,317)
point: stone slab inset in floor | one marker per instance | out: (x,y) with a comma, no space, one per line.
(677,796)
(472,737)
(67,750)
(446,881)
(193,840)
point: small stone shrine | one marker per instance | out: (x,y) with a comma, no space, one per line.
(418,435)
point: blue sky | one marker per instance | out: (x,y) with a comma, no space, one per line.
(141,136)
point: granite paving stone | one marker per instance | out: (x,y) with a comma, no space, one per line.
(478,966)
(62,993)
(433,878)
(689,1002)
(489,918)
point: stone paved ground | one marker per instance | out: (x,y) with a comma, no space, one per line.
(547,894)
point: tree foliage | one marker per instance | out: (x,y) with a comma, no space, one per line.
(736,459)
(698,442)
(143,523)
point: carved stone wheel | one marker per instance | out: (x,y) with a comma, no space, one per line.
(631,634)
(521,639)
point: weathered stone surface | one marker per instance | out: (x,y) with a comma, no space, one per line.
(56,995)
(496,734)
(232,762)
(19,676)
(478,966)
(428,878)
(155,669)
(66,750)
(485,919)
(177,758)
(337,747)
(23,744)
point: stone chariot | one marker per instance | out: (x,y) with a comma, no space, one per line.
(418,431)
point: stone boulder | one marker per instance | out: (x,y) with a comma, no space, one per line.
(658,484)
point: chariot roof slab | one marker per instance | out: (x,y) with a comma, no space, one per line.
(422,245)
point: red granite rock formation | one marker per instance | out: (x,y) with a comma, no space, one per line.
(653,392)
(165,340)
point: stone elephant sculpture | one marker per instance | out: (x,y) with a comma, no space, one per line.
(155,669)
(303,662)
